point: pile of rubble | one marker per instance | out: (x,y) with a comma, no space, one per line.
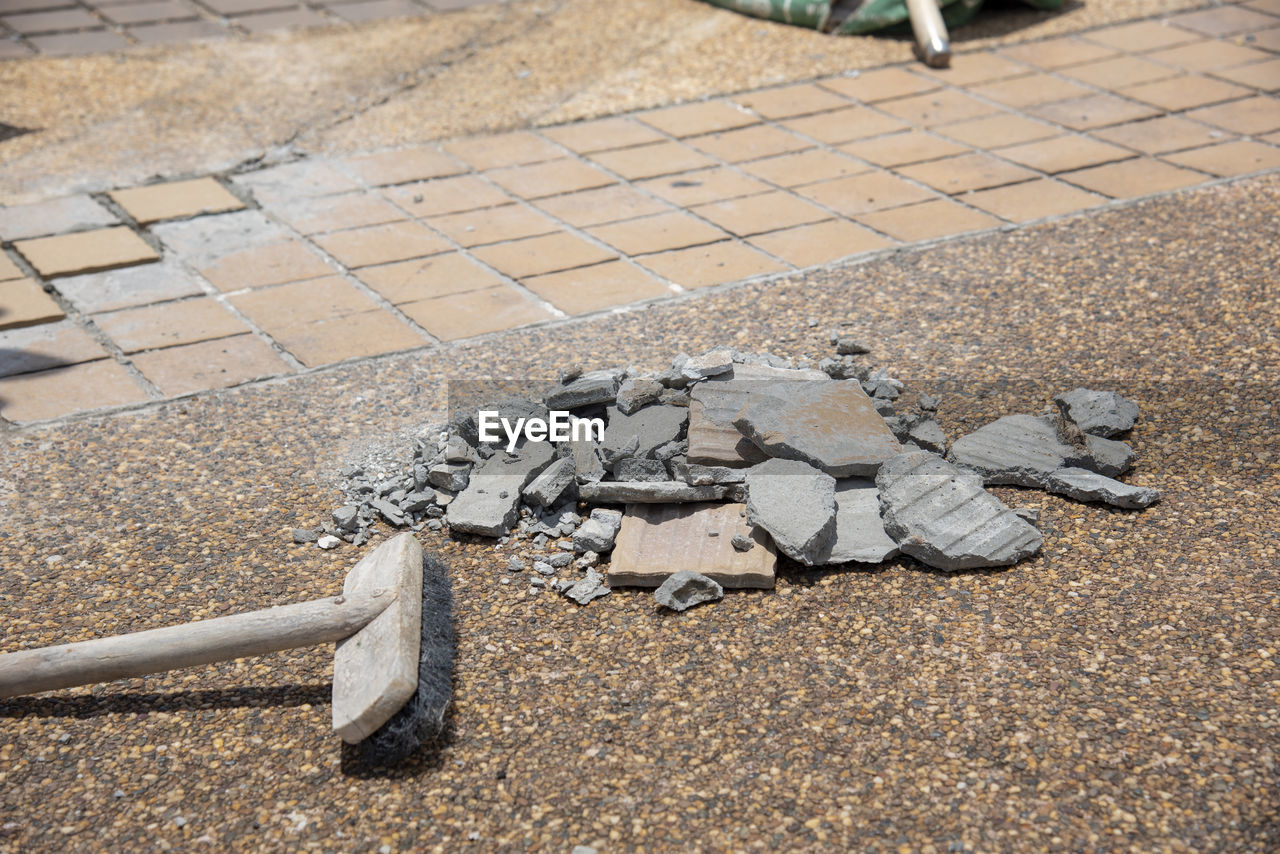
(705,472)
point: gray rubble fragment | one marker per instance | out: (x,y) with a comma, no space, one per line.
(648,428)
(795,503)
(589,588)
(712,363)
(844,368)
(542,567)
(458,451)
(304,535)
(860,534)
(947,520)
(620,492)
(1109,457)
(328,541)
(346,517)
(684,589)
(634,468)
(598,533)
(1084,485)
(637,392)
(450,476)
(489,503)
(929,436)
(698,475)
(848,346)
(561,560)
(515,563)
(1099,413)
(1022,450)
(742,543)
(586,390)
(587,466)
(547,487)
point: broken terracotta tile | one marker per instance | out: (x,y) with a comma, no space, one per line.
(658,540)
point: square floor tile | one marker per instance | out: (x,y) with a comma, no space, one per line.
(970,69)
(593,288)
(648,161)
(1207,55)
(1229,159)
(547,254)
(607,204)
(177,31)
(749,143)
(335,213)
(129,286)
(1057,52)
(1160,135)
(1093,111)
(278,307)
(148,12)
(935,108)
(78,44)
(549,178)
(273,264)
(1222,21)
(1033,200)
(49,345)
(998,130)
(475,313)
(447,195)
(1065,153)
(428,278)
(879,84)
(1132,178)
(8,269)
(1259,75)
(374,10)
(24,303)
(928,221)
(1266,39)
(820,242)
(911,147)
(706,185)
(804,167)
(756,214)
(85,251)
(1119,72)
(381,244)
(966,172)
(210,364)
(698,118)
(50,21)
(353,336)
(403,165)
(789,101)
(1038,88)
(837,126)
(176,199)
(713,264)
(289,19)
(54,216)
(63,391)
(204,240)
(860,194)
(1140,36)
(1257,115)
(1184,93)
(151,327)
(509,222)
(664,231)
(518,148)
(602,134)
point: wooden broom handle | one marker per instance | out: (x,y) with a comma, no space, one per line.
(220,639)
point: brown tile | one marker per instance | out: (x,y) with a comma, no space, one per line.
(998,130)
(648,161)
(141,13)
(1038,88)
(54,20)
(656,541)
(1222,21)
(819,243)
(240,7)
(1259,75)
(756,214)
(8,269)
(1033,200)
(966,172)
(176,199)
(673,230)
(1257,115)
(1132,178)
(1119,72)
(475,313)
(749,143)
(518,148)
(706,185)
(381,244)
(1268,39)
(428,278)
(1140,36)
(935,108)
(805,167)
(1157,136)
(1228,159)
(1057,53)
(150,327)
(547,254)
(698,118)
(49,345)
(375,10)
(593,288)
(54,216)
(928,221)
(282,306)
(911,147)
(334,213)
(63,391)
(607,204)
(210,364)
(550,178)
(789,101)
(403,166)
(179,31)
(1272,138)
(85,251)
(1093,111)
(274,264)
(602,134)
(78,44)
(509,222)
(289,19)
(836,126)
(1184,93)
(24,303)
(335,339)
(859,194)
(879,84)
(714,264)
(1207,56)
(970,69)
(1064,153)
(1271,7)
(447,195)
(129,286)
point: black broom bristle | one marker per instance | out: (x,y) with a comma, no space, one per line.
(422,717)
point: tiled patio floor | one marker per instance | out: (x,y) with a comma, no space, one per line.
(149,292)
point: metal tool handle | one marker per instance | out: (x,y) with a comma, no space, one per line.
(932,43)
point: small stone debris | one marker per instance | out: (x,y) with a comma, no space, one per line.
(684,589)
(488,505)
(515,563)
(586,390)
(1098,413)
(590,588)
(598,533)
(328,541)
(637,392)
(547,487)
(847,346)
(742,543)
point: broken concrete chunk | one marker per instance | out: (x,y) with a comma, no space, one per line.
(684,589)
(1084,485)
(742,543)
(304,535)
(848,346)
(589,588)
(830,425)
(637,392)
(1099,413)
(697,475)
(646,429)
(598,533)
(1017,449)
(547,487)
(713,440)
(795,503)
(488,504)
(346,517)
(389,511)
(947,520)
(417,502)
(712,363)
(1110,457)
(621,492)
(928,435)
(451,476)
(659,540)
(843,368)
(588,389)
(587,466)
(635,469)
(458,451)
(860,534)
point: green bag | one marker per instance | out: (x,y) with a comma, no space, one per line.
(867,16)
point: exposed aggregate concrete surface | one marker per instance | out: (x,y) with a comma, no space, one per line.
(1117,692)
